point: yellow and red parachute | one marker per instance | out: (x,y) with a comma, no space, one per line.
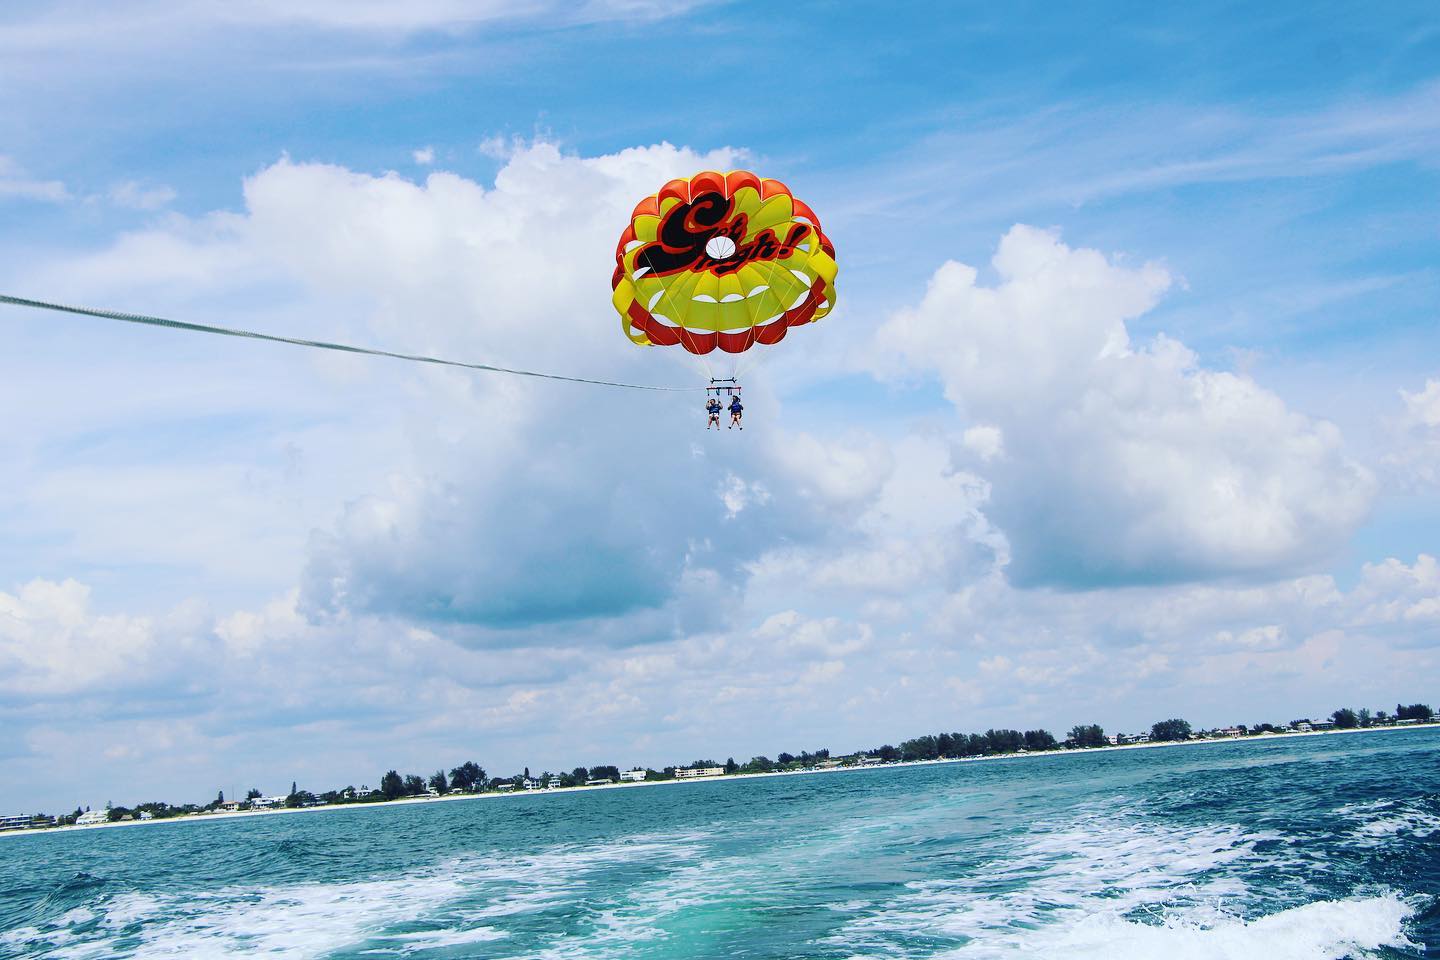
(721,260)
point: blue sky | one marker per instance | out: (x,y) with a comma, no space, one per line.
(1131,375)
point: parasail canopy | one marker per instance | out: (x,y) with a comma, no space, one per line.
(721,260)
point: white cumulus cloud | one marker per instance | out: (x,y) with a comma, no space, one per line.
(1124,462)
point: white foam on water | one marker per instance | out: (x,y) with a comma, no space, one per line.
(296,921)
(306,920)
(435,939)
(1324,930)
(1120,867)
(639,914)
(1103,886)
(1375,822)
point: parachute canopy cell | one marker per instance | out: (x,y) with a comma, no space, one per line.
(721,260)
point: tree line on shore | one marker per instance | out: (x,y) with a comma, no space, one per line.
(470,778)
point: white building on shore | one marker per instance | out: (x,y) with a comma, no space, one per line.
(689,773)
(91,817)
(634,776)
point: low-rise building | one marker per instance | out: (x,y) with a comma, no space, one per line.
(91,817)
(632,776)
(18,822)
(690,773)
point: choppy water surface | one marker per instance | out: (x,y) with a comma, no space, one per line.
(1305,848)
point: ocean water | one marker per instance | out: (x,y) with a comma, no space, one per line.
(1321,847)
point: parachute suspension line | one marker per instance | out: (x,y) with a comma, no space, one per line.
(678,317)
(320,344)
(743,369)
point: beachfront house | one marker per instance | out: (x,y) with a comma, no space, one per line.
(23,821)
(632,776)
(690,773)
(91,817)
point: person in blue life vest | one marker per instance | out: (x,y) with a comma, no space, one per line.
(736,408)
(712,407)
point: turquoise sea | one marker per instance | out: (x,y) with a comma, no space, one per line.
(1319,847)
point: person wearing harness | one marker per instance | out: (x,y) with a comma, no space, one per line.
(736,408)
(712,407)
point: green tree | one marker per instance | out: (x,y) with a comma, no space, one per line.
(1363,716)
(253,794)
(605,772)
(392,786)
(414,784)
(730,766)
(1416,711)
(467,777)
(1004,741)
(1091,735)
(1169,730)
(1345,719)
(1039,740)
(438,782)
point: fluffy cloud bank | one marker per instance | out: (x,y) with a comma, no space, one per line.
(1114,462)
(1414,460)
(546,574)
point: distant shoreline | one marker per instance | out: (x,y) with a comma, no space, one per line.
(496,795)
